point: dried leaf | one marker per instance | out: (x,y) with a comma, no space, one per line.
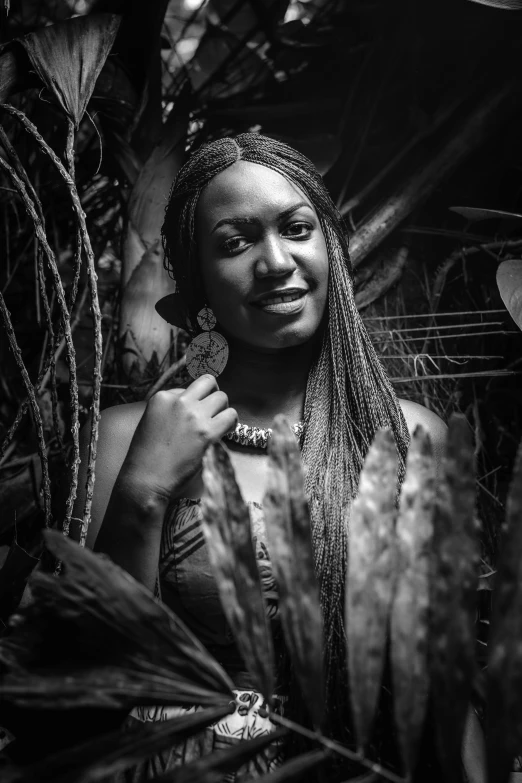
(112,753)
(95,636)
(504,706)
(453,595)
(68,56)
(376,276)
(295,768)
(211,768)
(289,540)
(372,557)
(509,281)
(410,609)
(226,525)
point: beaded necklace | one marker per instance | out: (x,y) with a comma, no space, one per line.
(257,436)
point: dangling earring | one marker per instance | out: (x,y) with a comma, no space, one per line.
(208,351)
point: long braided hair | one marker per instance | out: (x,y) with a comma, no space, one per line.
(348,395)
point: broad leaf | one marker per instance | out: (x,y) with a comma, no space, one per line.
(14,572)
(504,706)
(226,524)
(477,213)
(453,596)
(68,56)
(96,637)
(509,281)
(212,768)
(110,754)
(410,610)
(290,545)
(505,5)
(370,580)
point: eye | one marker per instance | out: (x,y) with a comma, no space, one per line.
(234,245)
(298,230)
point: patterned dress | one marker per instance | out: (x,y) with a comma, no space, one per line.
(188,587)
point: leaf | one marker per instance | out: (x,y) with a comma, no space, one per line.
(509,281)
(19,494)
(68,56)
(376,276)
(410,609)
(289,542)
(505,5)
(295,768)
(226,525)
(504,671)
(477,213)
(14,572)
(96,637)
(112,753)
(370,579)
(453,596)
(211,768)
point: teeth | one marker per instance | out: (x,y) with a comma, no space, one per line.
(278,299)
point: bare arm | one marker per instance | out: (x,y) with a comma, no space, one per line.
(146,455)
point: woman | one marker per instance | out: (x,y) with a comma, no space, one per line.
(251,235)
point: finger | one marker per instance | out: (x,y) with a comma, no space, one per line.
(214,404)
(222,423)
(201,388)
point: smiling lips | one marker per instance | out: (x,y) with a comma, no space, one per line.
(282,302)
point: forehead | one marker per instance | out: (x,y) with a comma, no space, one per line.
(249,190)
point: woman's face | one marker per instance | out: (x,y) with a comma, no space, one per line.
(263,257)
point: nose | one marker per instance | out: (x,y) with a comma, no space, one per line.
(275,258)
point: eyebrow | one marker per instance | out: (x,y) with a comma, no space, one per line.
(242,220)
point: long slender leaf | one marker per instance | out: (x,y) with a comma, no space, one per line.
(505,5)
(410,610)
(504,706)
(296,768)
(226,524)
(372,557)
(290,545)
(103,632)
(211,768)
(68,57)
(107,755)
(453,596)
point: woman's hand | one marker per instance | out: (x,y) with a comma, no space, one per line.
(172,436)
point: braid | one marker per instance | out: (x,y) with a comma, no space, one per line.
(348,395)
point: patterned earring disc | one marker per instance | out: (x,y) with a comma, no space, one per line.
(206,319)
(207,353)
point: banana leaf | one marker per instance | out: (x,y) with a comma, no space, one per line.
(509,281)
(290,546)
(453,595)
(96,637)
(107,755)
(410,610)
(227,529)
(370,582)
(504,671)
(68,57)
(296,768)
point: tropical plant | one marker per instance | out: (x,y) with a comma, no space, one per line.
(92,637)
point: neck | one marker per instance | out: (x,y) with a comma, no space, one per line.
(261,385)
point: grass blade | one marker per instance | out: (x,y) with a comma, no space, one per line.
(504,707)
(226,524)
(290,545)
(370,579)
(453,596)
(410,609)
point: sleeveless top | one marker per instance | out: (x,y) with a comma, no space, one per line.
(187,586)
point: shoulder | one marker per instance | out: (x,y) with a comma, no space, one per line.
(416,414)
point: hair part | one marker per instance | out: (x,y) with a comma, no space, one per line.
(348,396)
